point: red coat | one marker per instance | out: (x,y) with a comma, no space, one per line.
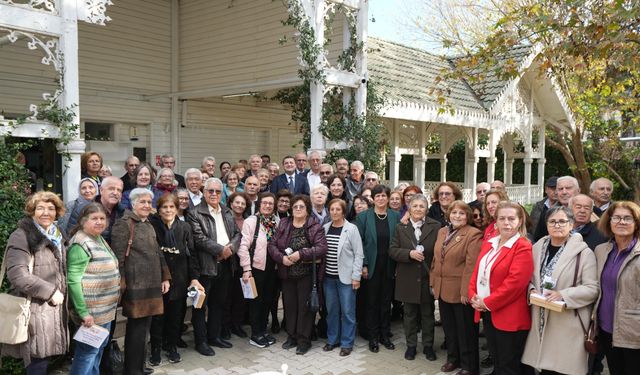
(509,281)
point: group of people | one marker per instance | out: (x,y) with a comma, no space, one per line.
(337,245)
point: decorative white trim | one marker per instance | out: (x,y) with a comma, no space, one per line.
(94,11)
(48,6)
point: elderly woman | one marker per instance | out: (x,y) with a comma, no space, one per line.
(318,197)
(264,178)
(87,191)
(564,268)
(377,227)
(395,201)
(360,204)
(443,195)
(94,284)
(257,232)
(298,240)
(343,269)
(144,275)
(412,249)
(183,202)
(499,286)
(618,311)
(176,243)
(455,254)
(407,194)
(233,185)
(491,201)
(90,165)
(283,203)
(238,203)
(143,177)
(166,181)
(105,171)
(35,260)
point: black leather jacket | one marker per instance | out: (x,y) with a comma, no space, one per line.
(206,248)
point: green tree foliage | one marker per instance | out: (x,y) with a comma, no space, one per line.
(590,48)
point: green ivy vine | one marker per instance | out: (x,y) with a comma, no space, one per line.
(363,135)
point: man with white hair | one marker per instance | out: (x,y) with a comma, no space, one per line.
(130,166)
(326,170)
(209,165)
(498,185)
(582,207)
(301,164)
(216,239)
(313,175)
(481,190)
(601,190)
(355,180)
(169,161)
(255,164)
(110,197)
(194,185)
(567,187)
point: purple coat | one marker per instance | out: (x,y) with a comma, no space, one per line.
(315,234)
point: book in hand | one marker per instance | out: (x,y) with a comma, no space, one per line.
(249,288)
(93,336)
(195,297)
(540,300)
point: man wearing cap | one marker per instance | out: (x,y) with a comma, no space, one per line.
(540,208)
(567,187)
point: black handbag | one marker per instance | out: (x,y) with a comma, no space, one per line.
(112,359)
(314,300)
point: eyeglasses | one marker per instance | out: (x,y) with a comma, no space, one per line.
(183,198)
(558,223)
(264,203)
(372,179)
(325,173)
(301,159)
(622,219)
(299,207)
(214,191)
(477,216)
(481,191)
(444,193)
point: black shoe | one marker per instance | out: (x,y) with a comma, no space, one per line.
(225,333)
(275,327)
(387,343)
(302,349)
(181,344)
(429,354)
(329,347)
(410,353)
(238,331)
(220,343)
(270,339)
(373,346)
(290,343)
(487,362)
(154,359)
(147,371)
(184,328)
(173,356)
(205,349)
(259,341)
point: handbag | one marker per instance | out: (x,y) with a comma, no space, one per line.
(112,362)
(590,333)
(314,300)
(14,313)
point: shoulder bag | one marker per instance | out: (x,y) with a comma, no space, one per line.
(590,333)
(14,313)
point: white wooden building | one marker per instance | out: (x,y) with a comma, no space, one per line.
(195,78)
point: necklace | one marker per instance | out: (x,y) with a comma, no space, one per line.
(381,217)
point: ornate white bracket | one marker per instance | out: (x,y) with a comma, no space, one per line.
(42,5)
(94,11)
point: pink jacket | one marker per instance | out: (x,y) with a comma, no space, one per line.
(260,254)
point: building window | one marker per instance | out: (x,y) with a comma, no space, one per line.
(98,131)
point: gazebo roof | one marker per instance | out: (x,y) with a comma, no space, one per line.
(407,75)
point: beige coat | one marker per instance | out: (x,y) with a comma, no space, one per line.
(561,347)
(626,321)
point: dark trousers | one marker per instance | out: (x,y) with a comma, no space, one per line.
(299,320)
(621,361)
(461,334)
(275,299)
(235,307)
(420,314)
(379,295)
(38,366)
(259,307)
(361,308)
(135,341)
(505,347)
(166,328)
(216,290)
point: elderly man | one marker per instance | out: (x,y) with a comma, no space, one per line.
(296,183)
(194,185)
(209,165)
(130,165)
(342,167)
(582,207)
(251,190)
(355,181)
(169,161)
(216,239)
(601,190)
(110,196)
(498,185)
(371,180)
(313,175)
(481,190)
(274,170)
(539,210)
(326,170)
(567,187)
(301,163)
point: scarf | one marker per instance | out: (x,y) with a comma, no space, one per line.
(269,224)
(53,234)
(545,271)
(168,237)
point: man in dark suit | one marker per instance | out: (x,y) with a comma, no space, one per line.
(601,190)
(168,161)
(582,207)
(130,165)
(296,183)
(481,190)
(301,164)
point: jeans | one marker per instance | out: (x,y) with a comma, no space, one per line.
(341,312)
(86,358)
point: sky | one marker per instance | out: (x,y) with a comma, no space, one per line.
(393,21)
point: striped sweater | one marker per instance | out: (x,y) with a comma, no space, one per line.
(93,278)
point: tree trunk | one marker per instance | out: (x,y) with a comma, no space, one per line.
(581,172)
